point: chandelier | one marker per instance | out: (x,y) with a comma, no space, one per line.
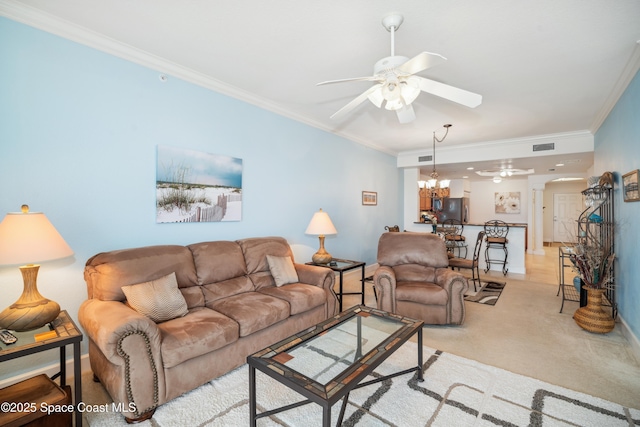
(437,188)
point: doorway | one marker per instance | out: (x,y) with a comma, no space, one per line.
(566,210)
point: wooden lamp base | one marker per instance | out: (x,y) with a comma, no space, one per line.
(32,310)
(322,256)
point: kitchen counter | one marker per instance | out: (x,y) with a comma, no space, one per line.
(516,247)
(510,224)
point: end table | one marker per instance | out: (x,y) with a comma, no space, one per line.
(66,332)
(341,266)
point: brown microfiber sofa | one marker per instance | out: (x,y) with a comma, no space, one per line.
(234,310)
(414,280)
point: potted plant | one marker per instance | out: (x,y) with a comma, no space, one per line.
(594,264)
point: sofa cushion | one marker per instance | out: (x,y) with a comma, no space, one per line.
(199,332)
(255,252)
(107,272)
(252,310)
(415,273)
(282,270)
(301,297)
(412,248)
(215,291)
(218,261)
(160,300)
(422,293)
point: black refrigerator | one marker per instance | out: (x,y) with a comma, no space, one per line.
(454,208)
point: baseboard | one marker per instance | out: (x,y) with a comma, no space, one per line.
(634,342)
(49,370)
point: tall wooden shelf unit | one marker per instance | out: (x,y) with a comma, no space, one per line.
(596,227)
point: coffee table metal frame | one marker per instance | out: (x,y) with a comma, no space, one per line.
(326,395)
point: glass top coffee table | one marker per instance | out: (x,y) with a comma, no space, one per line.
(325,362)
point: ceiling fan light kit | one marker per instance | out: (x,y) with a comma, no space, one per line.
(396,85)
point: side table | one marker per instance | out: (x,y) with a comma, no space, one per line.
(66,332)
(341,266)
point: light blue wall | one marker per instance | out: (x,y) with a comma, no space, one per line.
(617,150)
(78,136)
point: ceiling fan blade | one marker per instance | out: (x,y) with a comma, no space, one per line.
(406,114)
(376,98)
(355,102)
(421,62)
(451,93)
(354,79)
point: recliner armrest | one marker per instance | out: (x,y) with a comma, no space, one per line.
(452,281)
(384,281)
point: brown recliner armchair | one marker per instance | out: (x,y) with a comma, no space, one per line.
(413,279)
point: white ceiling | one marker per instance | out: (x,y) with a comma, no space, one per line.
(543,67)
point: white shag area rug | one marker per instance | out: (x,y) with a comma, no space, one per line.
(456,392)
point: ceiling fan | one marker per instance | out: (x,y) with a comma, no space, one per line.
(397,84)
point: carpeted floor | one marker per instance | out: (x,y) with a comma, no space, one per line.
(456,392)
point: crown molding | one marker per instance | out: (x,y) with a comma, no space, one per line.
(628,73)
(36,18)
(565,143)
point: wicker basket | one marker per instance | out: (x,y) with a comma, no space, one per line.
(592,317)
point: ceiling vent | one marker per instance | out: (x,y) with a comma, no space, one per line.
(544,147)
(425,158)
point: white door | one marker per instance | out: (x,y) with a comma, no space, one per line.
(566,210)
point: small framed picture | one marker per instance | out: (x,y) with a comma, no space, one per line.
(630,186)
(369,198)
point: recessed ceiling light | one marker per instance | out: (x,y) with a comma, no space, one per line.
(567,179)
(559,164)
(470,168)
(505,172)
(465,177)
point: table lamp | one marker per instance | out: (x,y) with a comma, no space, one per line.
(25,238)
(320,226)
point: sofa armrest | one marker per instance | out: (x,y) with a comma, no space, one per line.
(384,281)
(323,278)
(131,343)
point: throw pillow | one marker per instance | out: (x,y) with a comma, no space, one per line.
(160,299)
(282,270)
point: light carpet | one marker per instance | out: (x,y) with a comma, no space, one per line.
(456,392)
(488,294)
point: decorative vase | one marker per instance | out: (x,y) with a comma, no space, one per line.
(592,317)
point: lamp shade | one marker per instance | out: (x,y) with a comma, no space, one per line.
(28,238)
(321,224)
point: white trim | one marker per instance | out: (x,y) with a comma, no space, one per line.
(628,73)
(634,342)
(36,18)
(565,143)
(50,370)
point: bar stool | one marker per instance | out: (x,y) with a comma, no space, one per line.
(453,238)
(496,236)
(472,264)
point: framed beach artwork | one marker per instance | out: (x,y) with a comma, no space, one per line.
(630,186)
(192,186)
(369,198)
(507,202)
